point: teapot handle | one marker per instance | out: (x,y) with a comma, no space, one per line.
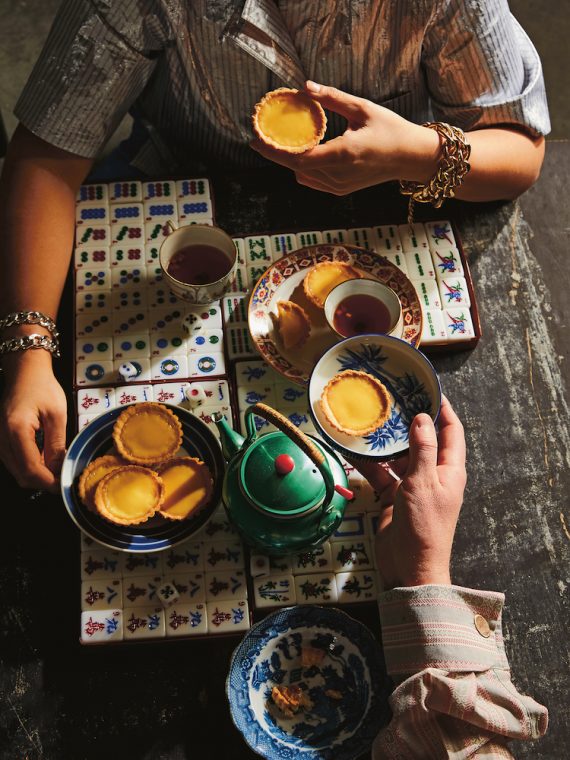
(297,436)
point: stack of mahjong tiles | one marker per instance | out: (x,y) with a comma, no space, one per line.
(428,254)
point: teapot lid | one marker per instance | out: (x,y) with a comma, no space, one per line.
(279,478)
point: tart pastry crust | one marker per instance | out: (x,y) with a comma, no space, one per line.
(129,495)
(356,403)
(187,487)
(290,699)
(147,433)
(289,120)
(93,474)
(323,277)
(292,323)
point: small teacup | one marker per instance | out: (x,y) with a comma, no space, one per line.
(198,235)
(371,288)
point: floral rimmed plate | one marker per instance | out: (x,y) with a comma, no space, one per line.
(157,534)
(283,281)
(353,666)
(409,377)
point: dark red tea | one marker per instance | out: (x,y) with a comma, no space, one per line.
(359,314)
(199,264)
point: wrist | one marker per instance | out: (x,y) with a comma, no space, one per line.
(421,158)
(20,363)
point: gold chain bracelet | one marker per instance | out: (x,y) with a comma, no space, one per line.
(452,168)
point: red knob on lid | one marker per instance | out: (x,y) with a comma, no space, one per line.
(284,464)
(346,492)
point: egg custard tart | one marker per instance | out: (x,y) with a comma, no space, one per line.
(289,120)
(323,277)
(129,495)
(187,487)
(93,474)
(147,433)
(292,324)
(356,403)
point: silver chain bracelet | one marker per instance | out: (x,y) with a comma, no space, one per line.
(30,318)
(35,340)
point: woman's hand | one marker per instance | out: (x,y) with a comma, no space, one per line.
(32,399)
(419,513)
(377,146)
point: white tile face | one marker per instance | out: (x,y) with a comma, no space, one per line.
(197,210)
(352,527)
(167,319)
(203,318)
(363,237)
(309,238)
(87,214)
(89,350)
(128,394)
(240,250)
(141,590)
(335,236)
(100,563)
(93,234)
(88,325)
(187,557)
(420,265)
(161,210)
(206,341)
(316,588)
(191,587)
(235,309)
(447,263)
(440,235)
(95,400)
(102,594)
(458,324)
(223,555)
(96,302)
(274,591)
(356,586)
(240,283)
(159,191)
(125,322)
(170,393)
(193,188)
(398,259)
(313,561)
(222,585)
(351,555)
(95,193)
(92,280)
(171,367)
(226,617)
(125,192)
(255,395)
(387,239)
(239,343)
(413,237)
(187,619)
(454,292)
(101,626)
(289,397)
(94,373)
(428,293)
(206,365)
(433,329)
(132,346)
(155,233)
(141,563)
(258,251)
(127,213)
(128,233)
(254,373)
(91,257)
(283,244)
(129,256)
(143,623)
(129,278)
(217,392)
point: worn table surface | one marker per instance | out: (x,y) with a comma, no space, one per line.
(62,701)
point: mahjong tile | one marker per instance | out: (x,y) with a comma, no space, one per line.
(186,557)
(93,301)
(420,265)
(262,426)
(256,271)
(91,257)
(206,365)
(128,394)
(92,279)
(193,188)
(217,392)
(207,416)
(413,237)
(219,527)
(440,235)
(185,619)
(356,586)
(258,251)
(428,293)
(129,190)
(159,190)
(88,325)
(240,282)
(335,237)
(88,544)
(131,278)
(191,587)
(134,370)
(363,237)
(161,210)
(90,350)
(222,585)
(130,256)
(101,594)
(240,250)
(235,309)
(316,560)
(355,505)
(282,244)
(225,617)
(447,263)
(130,298)
(128,233)
(301,419)
(454,292)
(144,623)
(94,373)
(141,563)
(372,523)
(101,563)
(458,324)
(85,419)
(386,239)
(281,565)
(168,318)
(239,343)
(433,327)
(132,346)
(172,367)
(274,591)
(161,296)
(352,527)
(95,193)
(170,393)
(88,214)
(351,555)
(258,565)
(127,213)
(398,259)
(254,373)
(248,395)
(309,238)
(223,555)
(365,498)
(316,588)
(195,210)
(101,626)
(167,593)
(93,235)
(206,341)
(354,477)
(130,322)
(203,317)
(152,253)
(141,590)
(169,341)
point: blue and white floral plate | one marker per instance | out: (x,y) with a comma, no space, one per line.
(406,373)
(157,533)
(333,729)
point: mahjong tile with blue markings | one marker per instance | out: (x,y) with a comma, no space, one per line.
(351,555)
(141,563)
(93,235)
(238,342)
(94,373)
(167,318)
(309,238)
(222,585)
(256,271)
(186,619)
(420,265)
(160,210)
(301,419)
(282,244)
(169,341)
(159,190)
(356,586)
(129,190)
(428,293)
(386,238)
(171,393)
(193,188)
(227,617)
(171,367)
(126,322)
(101,626)
(316,588)
(99,562)
(95,400)
(440,235)
(317,560)
(91,301)
(240,250)
(134,370)
(140,590)
(188,556)
(144,623)
(191,587)
(203,318)
(336,237)
(447,263)
(205,365)
(132,277)
(91,213)
(87,256)
(127,213)
(205,341)
(128,256)
(454,292)
(458,324)
(253,373)
(156,232)
(352,526)
(413,237)
(195,210)
(101,594)
(262,426)
(92,279)
(128,394)
(129,298)
(433,327)
(87,325)
(95,193)
(289,396)
(128,233)
(274,591)
(223,555)
(132,346)
(89,350)
(235,309)
(258,251)
(363,237)
(398,259)
(255,395)
(160,295)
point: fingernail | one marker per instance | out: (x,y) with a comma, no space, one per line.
(312,86)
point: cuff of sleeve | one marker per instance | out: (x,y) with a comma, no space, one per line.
(445,627)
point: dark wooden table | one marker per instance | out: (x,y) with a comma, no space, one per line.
(64,702)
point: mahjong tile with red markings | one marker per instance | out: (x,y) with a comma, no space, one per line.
(190,586)
(447,263)
(91,257)
(130,322)
(93,235)
(101,626)
(171,393)
(94,373)
(128,394)
(127,256)
(217,392)
(127,213)
(91,350)
(87,214)
(129,298)
(159,190)
(454,292)
(95,400)
(99,562)
(140,590)
(363,237)
(206,414)
(156,232)
(93,302)
(337,237)
(440,235)
(131,346)
(222,585)
(225,617)
(195,210)
(315,560)
(101,594)
(203,318)
(186,619)
(126,191)
(132,370)
(458,324)
(386,238)
(92,279)
(128,233)
(282,244)
(205,341)
(193,188)
(87,325)
(235,308)
(169,341)
(240,282)
(85,419)
(144,623)
(309,238)
(172,367)
(187,556)
(95,193)
(161,210)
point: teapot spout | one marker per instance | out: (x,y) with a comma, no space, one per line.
(232,442)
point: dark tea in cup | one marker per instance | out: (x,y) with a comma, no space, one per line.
(199,264)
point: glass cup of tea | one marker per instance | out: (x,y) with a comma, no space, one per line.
(198,262)
(361,307)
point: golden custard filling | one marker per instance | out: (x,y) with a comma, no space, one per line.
(92,476)
(355,403)
(289,120)
(129,495)
(323,277)
(187,487)
(147,433)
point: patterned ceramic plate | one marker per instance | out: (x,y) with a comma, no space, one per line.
(406,373)
(336,727)
(156,534)
(284,282)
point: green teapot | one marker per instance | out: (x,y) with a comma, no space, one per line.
(284,491)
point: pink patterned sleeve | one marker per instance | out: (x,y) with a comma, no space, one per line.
(455,696)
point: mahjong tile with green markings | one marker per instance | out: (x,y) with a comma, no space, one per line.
(413,237)
(171,367)
(234,307)
(240,282)
(207,317)
(447,263)
(91,324)
(91,257)
(238,342)
(132,346)
(125,191)
(256,271)
(128,256)
(363,237)
(282,244)
(159,190)
(155,233)
(94,349)
(92,279)
(433,327)
(317,560)
(93,302)
(335,237)
(420,265)
(128,233)
(454,292)
(169,341)
(193,188)
(93,193)
(458,324)
(206,365)
(386,238)
(314,237)
(130,322)
(352,555)
(258,251)
(129,278)
(440,235)
(398,259)
(240,249)
(93,235)
(95,372)
(428,293)
(129,298)
(206,341)
(274,591)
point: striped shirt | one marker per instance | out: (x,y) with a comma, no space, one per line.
(194,70)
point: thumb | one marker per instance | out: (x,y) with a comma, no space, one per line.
(423,446)
(54,441)
(349,106)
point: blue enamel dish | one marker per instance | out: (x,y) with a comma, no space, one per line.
(339,727)
(407,374)
(157,534)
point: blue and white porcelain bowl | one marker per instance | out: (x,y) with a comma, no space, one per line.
(157,533)
(409,377)
(333,729)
